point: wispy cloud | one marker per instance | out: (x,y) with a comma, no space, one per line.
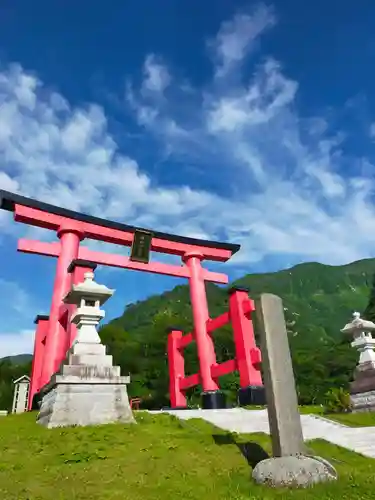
(284,188)
(238,37)
(289,192)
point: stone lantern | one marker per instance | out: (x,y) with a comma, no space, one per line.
(88,296)
(88,389)
(362,389)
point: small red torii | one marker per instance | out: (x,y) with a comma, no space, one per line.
(247,359)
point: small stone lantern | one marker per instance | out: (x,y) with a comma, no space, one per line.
(362,389)
(88,389)
(88,296)
(361,330)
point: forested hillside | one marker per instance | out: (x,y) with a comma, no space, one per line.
(318,301)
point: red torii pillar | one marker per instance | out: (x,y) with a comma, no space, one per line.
(41,322)
(211,395)
(248,355)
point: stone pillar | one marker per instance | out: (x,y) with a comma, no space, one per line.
(88,389)
(289,466)
(362,389)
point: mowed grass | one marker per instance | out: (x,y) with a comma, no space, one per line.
(160,458)
(363,419)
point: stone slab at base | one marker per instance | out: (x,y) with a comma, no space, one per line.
(364,379)
(85,395)
(251,395)
(213,400)
(297,471)
(363,401)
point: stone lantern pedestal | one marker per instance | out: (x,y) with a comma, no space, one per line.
(88,389)
(362,389)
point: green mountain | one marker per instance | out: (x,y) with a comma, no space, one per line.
(19,359)
(318,301)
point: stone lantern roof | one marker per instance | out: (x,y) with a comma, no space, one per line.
(89,289)
(358,325)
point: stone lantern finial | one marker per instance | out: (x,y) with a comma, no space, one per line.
(358,327)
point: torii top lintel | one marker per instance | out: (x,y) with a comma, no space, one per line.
(40,214)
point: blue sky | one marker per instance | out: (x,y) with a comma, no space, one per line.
(246,122)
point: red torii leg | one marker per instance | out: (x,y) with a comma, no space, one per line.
(38,356)
(56,342)
(176,367)
(77,268)
(211,395)
(248,355)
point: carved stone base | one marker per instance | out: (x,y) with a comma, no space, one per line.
(86,394)
(364,379)
(362,402)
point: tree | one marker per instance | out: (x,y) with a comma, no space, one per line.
(369,312)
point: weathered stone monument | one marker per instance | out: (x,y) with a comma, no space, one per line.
(290,464)
(88,389)
(362,389)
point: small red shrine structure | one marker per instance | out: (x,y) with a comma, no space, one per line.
(55,334)
(247,359)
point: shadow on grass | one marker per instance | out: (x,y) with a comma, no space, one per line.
(251,451)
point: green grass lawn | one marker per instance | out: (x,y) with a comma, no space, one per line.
(363,419)
(160,458)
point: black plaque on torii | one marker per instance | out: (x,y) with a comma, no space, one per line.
(141,246)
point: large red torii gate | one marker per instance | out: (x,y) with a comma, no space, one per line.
(71,228)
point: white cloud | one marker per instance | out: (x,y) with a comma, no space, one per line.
(237,37)
(287,193)
(156,75)
(67,157)
(12,344)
